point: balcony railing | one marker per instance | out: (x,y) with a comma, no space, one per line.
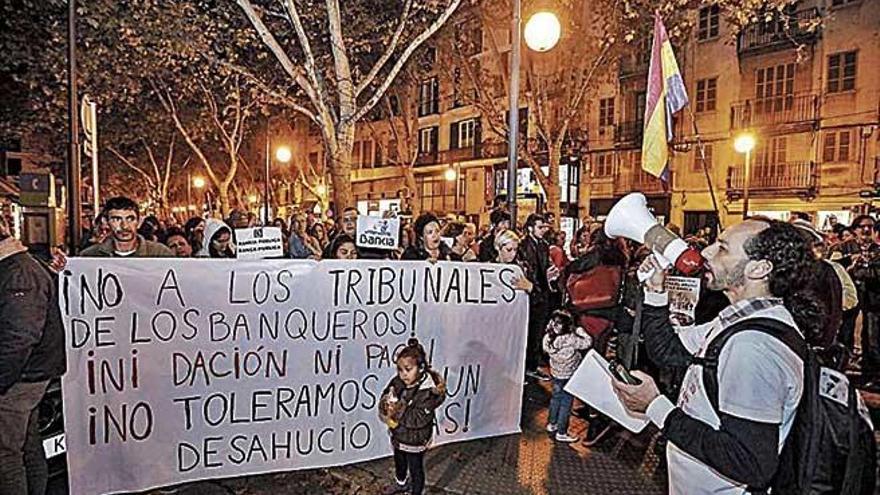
(628,132)
(627,180)
(789,177)
(774,110)
(427,158)
(787,31)
(631,65)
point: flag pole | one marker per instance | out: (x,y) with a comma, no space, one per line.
(701,148)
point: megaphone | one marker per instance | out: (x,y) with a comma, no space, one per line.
(631,219)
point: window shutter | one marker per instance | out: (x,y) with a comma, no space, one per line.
(453,135)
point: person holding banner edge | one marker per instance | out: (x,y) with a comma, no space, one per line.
(123,215)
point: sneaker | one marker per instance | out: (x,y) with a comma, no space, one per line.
(551,428)
(544,377)
(533,374)
(566,438)
(393,488)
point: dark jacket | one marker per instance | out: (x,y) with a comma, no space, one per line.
(866,276)
(420,253)
(535,255)
(31,330)
(145,249)
(415,414)
(488,253)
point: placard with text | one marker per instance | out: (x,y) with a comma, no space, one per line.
(181,370)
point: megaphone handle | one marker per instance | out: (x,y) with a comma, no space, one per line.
(665,263)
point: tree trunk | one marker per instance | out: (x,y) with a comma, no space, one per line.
(223,199)
(414,200)
(551,189)
(340,167)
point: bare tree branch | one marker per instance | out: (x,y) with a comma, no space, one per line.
(404,57)
(395,39)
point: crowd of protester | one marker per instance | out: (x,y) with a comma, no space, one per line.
(584,294)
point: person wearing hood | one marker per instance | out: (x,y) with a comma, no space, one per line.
(218,240)
(124,241)
(429,245)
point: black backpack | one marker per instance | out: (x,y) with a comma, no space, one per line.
(830,447)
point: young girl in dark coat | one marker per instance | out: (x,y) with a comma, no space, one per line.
(407,407)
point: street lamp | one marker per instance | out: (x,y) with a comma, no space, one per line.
(450,174)
(283,154)
(542,33)
(198,182)
(745,143)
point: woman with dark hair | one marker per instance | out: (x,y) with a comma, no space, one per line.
(428,244)
(195,233)
(342,247)
(316,230)
(597,305)
(462,237)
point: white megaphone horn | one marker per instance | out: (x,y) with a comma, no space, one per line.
(631,219)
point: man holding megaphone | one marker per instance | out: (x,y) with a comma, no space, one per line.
(725,436)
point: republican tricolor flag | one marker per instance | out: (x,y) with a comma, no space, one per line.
(666,95)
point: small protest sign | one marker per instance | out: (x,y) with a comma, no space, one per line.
(378,233)
(684,293)
(259,243)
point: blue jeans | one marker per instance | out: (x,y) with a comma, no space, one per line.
(560,405)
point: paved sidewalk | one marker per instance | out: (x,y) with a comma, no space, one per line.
(530,463)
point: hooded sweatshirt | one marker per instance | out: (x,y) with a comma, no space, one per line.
(212,226)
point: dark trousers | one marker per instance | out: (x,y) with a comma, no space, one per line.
(538,314)
(846,336)
(414,463)
(23,467)
(871,343)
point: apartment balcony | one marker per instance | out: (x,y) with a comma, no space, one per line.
(629,132)
(427,158)
(632,65)
(459,154)
(780,110)
(629,180)
(787,32)
(778,179)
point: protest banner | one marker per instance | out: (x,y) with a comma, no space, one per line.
(259,243)
(684,293)
(181,370)
(379,233)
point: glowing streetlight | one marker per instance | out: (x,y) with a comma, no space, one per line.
(321,189)
(542,31)
(745,143)
(198,182)
(283,154)
(450,174)
(252,198)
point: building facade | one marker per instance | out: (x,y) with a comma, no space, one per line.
(805,84)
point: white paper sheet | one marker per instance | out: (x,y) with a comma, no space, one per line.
(591,383)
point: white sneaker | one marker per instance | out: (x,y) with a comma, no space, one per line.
(566,438)
(551,428)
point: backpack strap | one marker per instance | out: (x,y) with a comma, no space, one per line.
(781,331)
